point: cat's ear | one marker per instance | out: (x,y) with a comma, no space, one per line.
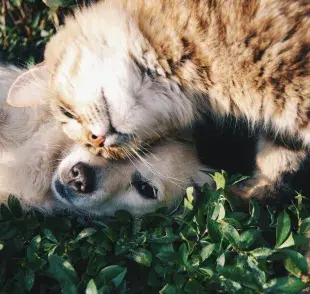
(30,88)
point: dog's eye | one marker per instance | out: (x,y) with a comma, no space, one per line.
(66,112)
(143,187)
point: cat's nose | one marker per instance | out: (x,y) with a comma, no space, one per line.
(80,178)
(96,141)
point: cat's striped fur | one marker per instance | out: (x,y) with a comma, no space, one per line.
(130,71)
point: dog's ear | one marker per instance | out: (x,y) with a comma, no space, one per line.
(29,89)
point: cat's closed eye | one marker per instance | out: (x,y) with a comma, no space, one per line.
(66,113)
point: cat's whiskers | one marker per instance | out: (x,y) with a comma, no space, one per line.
(161,176)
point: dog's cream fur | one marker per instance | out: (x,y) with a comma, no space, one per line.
(30,146)
(33,148)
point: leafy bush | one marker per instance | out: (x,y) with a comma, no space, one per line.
(26,26)
(211,244)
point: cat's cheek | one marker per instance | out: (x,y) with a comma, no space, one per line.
(74,130)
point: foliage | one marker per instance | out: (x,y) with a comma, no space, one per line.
(213,243)
(26,26)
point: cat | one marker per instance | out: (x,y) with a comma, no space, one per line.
(49,172)
(125,73)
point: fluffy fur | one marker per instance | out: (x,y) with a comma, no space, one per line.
(35,154)
(30,146)
(124,73)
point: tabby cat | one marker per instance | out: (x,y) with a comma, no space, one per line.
(125,73)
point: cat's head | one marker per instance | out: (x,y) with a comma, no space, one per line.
(107,86)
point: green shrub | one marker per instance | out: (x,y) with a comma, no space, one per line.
(211,244)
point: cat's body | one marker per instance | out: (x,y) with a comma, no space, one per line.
(124,73)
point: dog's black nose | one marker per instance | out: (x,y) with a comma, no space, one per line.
(81,178)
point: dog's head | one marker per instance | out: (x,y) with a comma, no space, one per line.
(100,187)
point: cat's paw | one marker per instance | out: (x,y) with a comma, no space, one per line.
(267,191)
(254,187)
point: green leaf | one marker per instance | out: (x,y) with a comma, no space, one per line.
(183,251)
(255,212)
(68,287)
(283,228)
(168,237)
(5,213)
(219,180)
(214,231)
(206,271)
(235,179)
(220,261)
(230,286)
(29,279)
(305,226)
(33,248)
(206,251)
(54,4)
(261,253)
(85,233)
(50,236)
(3,271)
(288,242)
(221,214)
(169,289)
(301,240)
(167,256)
(188,207)
(245,272)
(124,216)
(91,287)
(7,231)
(291,267)
(15,206)
(215,212)
(248,238)
(111,274)
(153,279)
(141,256)
(193,286)
(229,232)
(190,194)
(62,271)
(179,280)
(297,259)
(285,285)
(239,216)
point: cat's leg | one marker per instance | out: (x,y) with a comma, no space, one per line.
(273,162)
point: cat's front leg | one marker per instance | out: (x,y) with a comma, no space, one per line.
(274,160)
